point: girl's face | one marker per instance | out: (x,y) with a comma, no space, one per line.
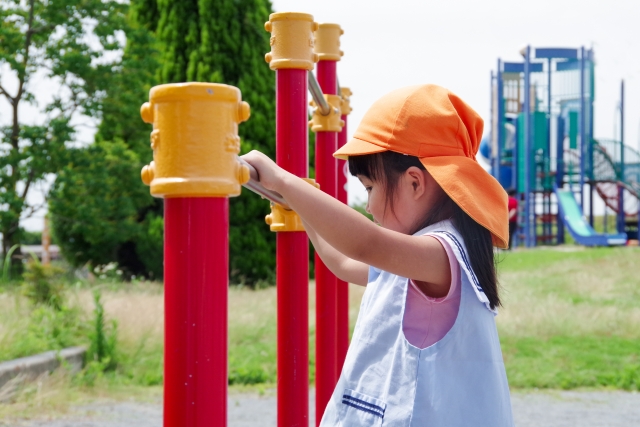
(383,214)
(416,193)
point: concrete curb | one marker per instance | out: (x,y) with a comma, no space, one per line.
(33,366)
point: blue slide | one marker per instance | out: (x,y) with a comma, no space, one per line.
(580,229)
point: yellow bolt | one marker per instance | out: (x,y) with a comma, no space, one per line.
(147,113)
(147,174)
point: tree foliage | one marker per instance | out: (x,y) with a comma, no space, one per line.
(66,40)
(101,210)
(224,41)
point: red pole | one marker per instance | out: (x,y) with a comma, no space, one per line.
(292,57)
(292,251)
(195,168)
(326,282)
(195,286)
(343,287)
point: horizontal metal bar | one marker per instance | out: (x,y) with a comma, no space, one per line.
(316,94)
(255,186)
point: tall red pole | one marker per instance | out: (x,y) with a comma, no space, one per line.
(195,145)
(292,57)
(326,43)
(195,292)
(343,287)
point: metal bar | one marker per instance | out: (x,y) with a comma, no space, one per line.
(621,222)
(316,94)
(343,287)
(255,186)
(499,122)
(196,263)
(527,151)
(292,256)
(326,281)
(582,128)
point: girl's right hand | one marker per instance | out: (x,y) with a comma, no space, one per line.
(271,175)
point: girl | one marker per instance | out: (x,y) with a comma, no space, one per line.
(425,349)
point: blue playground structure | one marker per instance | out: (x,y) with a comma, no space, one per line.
(541,146)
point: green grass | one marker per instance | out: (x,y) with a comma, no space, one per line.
(571,318)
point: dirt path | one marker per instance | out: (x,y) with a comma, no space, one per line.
(539,409)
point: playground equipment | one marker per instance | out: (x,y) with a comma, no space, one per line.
(542,147)
(196,169)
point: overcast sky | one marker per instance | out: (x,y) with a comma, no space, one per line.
(456,44)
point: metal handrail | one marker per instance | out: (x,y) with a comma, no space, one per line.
(316,94)
(254,185)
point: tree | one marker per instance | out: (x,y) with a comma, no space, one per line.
(67,40)
(224,41)
(101,210)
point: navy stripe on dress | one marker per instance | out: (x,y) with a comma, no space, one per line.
(363,406)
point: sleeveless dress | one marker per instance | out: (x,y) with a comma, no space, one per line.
(459,381)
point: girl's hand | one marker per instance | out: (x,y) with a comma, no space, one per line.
(271,175)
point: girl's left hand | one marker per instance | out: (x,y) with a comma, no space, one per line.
(271,175)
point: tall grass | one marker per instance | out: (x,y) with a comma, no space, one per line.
(571,317)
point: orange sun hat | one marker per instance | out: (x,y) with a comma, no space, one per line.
(433,124)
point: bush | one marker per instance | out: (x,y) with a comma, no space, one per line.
(42,284)
(102,348)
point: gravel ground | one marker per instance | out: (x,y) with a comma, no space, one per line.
(539,409)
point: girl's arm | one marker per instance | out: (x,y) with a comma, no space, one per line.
(419,258)
(343,267)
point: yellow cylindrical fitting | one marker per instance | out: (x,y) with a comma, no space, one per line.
(291,40)
(332,122)
(195,140)
(327,42)
(345,102)
(281,219)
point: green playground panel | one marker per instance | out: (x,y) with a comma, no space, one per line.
(540,133)
(573,129)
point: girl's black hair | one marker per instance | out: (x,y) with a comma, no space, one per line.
(387,168)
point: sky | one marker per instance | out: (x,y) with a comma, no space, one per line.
(456,44)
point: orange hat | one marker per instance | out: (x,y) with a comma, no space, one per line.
(433,124)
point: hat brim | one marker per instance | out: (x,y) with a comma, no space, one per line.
(357,147)
(477,193)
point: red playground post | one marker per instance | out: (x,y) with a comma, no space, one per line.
(327,46)
(292,57)
(343,287)
(195,169)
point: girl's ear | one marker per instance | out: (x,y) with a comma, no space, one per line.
(417,180)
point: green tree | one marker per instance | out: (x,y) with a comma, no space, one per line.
(66,40)
(101,210)
(224,41)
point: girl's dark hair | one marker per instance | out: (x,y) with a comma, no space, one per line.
(387,168)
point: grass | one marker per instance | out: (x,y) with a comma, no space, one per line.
(571,318)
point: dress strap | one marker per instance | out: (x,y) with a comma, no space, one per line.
(461,254)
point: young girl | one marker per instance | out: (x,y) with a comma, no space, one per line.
(425,349)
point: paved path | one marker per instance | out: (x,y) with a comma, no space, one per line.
(531,409)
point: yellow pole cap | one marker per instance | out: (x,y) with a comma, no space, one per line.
(327,42)
(291,41)
(195,140)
